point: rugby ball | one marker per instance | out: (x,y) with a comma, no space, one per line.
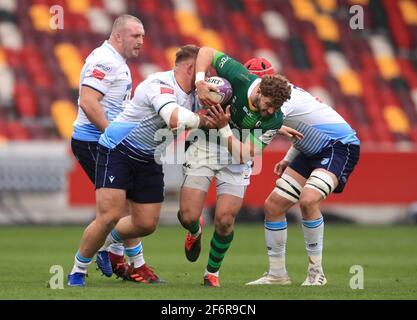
(225,90)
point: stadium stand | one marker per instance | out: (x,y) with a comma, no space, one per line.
(369,75)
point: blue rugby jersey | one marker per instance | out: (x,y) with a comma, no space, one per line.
(319,122)
(105,71)
(136,127)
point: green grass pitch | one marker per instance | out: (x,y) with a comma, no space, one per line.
(388,256)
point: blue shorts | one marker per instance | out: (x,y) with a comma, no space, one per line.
(86,154)
(143,179)
(338,158)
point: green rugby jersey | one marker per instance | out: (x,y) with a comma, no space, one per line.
(261,130)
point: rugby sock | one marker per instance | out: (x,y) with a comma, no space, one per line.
(276,240)
(193,228)
(113,237)
(135,255)
(219,245)
(117,249)
(313,236)
(81,263)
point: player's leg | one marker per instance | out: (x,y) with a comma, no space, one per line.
(110,259)
(145,200)
(229,201)
(280,200)
(132,248)
(110,206)
(333,167)
(318,186)
(192,195)
(111,200)
(143,221)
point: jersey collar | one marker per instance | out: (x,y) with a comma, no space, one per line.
(251,88)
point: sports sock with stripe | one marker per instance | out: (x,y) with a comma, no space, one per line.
(313,236)
(135,255)
(276,240)
(219,245)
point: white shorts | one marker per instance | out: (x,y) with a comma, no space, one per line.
(203,161)
(203,183)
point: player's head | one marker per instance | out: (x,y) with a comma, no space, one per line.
(186,54)
(259,66)
(127,35)
(271,94)
(185,59)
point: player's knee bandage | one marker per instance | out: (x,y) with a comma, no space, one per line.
(288,188)
(322,182)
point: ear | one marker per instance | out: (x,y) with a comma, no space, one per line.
(190,68)
(118,37)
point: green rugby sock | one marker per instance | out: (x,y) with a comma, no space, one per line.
(219,246)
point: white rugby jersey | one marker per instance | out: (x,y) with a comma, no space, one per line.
(105,71)
(136,126)
(319,122)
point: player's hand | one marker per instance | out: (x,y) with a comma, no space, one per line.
(203,92)
(218,117)
(280,167)
(290,133)
(205,121)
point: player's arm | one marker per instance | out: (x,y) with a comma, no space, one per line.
(90,104)
(280,167)
(176,117)
(290,133)
(241,152)
(99,77)
(205,58)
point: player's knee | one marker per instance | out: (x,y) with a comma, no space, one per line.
(224,223)
(146,226)
(269,208)
(109,220)
(273,209)
(188,216)
(308,205)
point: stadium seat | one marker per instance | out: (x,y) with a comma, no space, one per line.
(63,113)
(396,120)
(309,41)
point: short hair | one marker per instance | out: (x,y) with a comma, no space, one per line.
(277,88)
(120,21)
(186,52)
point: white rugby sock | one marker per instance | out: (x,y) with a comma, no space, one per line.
(135,255)
(81,263)
(117,248)
(113,237)
(276,239)
(313,236)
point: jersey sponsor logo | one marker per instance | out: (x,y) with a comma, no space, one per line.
(167,90)
(325,161)
(103,67)
(98,74)
(223,61)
